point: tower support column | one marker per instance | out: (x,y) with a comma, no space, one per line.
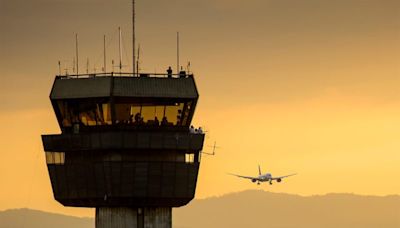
(123,217)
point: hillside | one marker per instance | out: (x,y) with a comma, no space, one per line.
(264,209)
(250,209)
(27,218)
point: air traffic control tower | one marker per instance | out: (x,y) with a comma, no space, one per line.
(125,146)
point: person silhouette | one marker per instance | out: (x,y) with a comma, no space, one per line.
(164,121)
(169,72)
(191,129)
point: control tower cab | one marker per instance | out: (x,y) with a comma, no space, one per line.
(125,146)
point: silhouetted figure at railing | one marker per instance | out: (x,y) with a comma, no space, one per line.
(169,72)
(138,119)
(182,74)
(164,121)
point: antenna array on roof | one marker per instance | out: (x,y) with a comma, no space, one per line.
(135,56)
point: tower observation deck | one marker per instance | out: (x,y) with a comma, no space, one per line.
(125,146)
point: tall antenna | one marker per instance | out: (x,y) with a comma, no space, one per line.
(73,65)
(59,67)
(120,50)
(77,54)
(133,36)
(138,58)
(177,52)
(188,67)
(105,60)
(87,66)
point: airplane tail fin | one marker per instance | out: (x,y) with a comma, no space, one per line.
(259,170)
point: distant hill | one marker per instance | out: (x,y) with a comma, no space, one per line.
(250,209)
(27,218)
(274,210)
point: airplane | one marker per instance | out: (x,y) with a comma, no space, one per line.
(263,177)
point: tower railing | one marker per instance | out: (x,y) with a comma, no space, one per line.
(182,74)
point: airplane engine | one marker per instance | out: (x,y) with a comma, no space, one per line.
(253,180)
(279,180)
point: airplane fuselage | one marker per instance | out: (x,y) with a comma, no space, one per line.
(264,178)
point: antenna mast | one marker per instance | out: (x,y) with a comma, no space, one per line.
(137,62)
(87,66)
(120,51)
(177,52)
(77,54)
(133,36)
(105,60)
(73,65)
(59,67)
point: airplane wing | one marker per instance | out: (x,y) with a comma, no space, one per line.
(276,178)
(247,177)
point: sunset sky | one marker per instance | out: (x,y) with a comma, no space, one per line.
(306,86)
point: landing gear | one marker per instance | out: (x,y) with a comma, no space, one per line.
(270,183)
(258,183)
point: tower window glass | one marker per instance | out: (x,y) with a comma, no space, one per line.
(98,112)
(87,113)
(150,114)
(55,158)
(189,158)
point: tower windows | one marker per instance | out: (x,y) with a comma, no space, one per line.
(127,111)
(55,158)
(189,158)
(152,114)
(86,113)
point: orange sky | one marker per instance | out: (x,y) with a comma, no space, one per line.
(295,86)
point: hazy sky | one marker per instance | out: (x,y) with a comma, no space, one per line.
(307,86)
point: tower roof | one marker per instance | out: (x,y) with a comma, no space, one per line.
(106,86)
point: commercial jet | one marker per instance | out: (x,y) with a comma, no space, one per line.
(263,177)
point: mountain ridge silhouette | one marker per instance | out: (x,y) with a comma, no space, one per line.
(250,208)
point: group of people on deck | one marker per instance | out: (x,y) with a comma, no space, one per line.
(138,120)
(196,130)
